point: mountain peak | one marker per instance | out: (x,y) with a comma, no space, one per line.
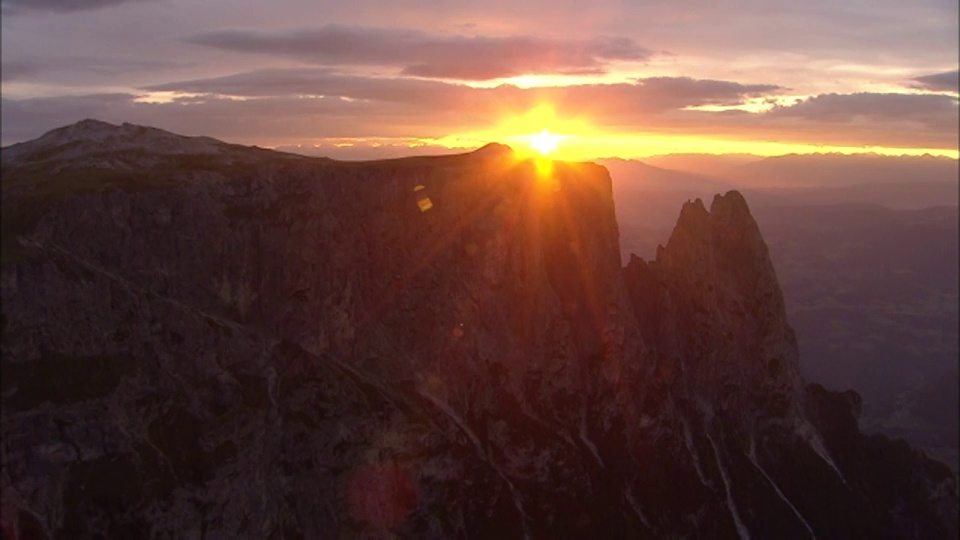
(738,227)
(493,149)
(91,129)
(733,204)
(88,129)
(91,123)
(728,219)
(693,215)
(90,137)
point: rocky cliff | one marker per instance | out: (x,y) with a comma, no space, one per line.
(209,341)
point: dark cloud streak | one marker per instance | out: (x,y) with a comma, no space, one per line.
(286,110)
(311,82)
(947,81)
(431,55)
(78,69)
(936,111)
(11,71)
(12,7)
(649,95)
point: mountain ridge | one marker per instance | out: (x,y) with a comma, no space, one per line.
(89,135)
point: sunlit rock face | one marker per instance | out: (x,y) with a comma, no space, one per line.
(204,340)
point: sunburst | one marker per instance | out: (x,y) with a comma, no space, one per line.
(544,142)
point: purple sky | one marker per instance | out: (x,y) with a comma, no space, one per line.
(860,73)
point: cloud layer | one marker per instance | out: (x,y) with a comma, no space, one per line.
(431,55)
(931,110)
(648,95)
(307,106)
(947,81)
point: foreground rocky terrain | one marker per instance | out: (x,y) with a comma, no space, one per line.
(208,341)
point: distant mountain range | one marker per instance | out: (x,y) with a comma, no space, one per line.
(809,170)
(896,182)
(836,170)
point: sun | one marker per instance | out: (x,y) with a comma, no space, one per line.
(544,142)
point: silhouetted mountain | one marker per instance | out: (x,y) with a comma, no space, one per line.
(279,346)
(128,146)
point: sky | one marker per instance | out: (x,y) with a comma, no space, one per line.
(379,78)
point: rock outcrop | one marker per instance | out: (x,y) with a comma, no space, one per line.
(204,340)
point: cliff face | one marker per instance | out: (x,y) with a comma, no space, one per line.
(201,339)
(711,306)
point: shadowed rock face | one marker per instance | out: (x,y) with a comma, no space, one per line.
(711,306)
(263,345)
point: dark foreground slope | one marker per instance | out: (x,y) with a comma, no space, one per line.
(202,340)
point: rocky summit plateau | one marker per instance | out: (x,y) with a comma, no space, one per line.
(204,340)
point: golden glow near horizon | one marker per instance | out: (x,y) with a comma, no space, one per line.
(632,146)
(638,146)
(540,133)
(553,80)
(645,145)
